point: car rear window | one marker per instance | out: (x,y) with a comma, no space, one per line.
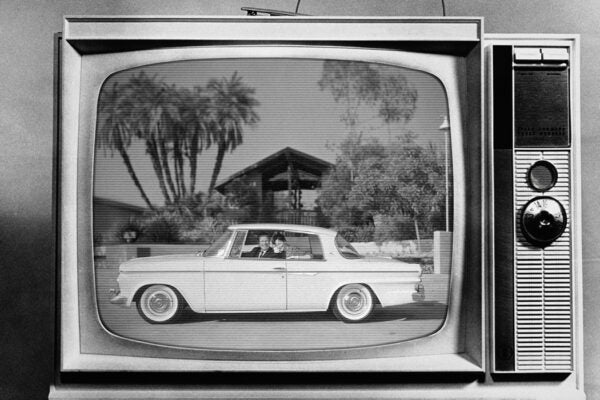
(304,246)
(345,248)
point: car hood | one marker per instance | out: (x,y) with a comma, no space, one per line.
(160,262)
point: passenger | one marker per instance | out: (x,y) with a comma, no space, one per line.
(280,246)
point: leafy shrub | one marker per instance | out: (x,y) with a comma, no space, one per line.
(130,231)
(163,226)
(394,228)
(204,231)
(427,265)
(237,216)
(362,233)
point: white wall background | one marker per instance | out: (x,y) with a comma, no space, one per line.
(26,148)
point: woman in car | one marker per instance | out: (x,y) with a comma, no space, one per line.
(280,246)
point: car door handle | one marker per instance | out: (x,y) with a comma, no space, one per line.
(279,269)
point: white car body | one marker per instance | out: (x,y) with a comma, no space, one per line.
(228,282)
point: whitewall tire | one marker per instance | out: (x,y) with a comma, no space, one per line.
(353,303)
(159,304)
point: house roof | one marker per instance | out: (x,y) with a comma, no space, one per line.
(309,168)
(118,204)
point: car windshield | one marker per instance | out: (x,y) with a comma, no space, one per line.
(345,248)
(217,249)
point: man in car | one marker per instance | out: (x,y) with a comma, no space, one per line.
(262,250)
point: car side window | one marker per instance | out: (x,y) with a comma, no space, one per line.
(303,246)
(315,247)
(257,244)
(238,242)
(219,246)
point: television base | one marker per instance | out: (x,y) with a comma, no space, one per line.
(447,392)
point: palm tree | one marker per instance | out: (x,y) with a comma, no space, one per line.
(194,109)
(232,107)
(115,127)
(158,117)
(173,123)
(171,138)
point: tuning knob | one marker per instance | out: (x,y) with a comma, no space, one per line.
(543,220)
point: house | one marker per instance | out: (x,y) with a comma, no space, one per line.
(110,216)
(284,186)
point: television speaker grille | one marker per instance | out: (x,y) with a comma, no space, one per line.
(543,277)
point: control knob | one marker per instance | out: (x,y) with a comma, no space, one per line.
(543,220)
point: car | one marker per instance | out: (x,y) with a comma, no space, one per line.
(312,269)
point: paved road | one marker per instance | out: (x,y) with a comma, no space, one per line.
(265,331)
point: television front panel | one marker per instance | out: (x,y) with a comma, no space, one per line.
(317,195)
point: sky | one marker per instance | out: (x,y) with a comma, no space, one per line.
(294,112)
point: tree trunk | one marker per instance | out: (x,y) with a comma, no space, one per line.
(378,223)
(164,162)
(216,170)
(418,235)
(154,155)
(133,175)
(179,171)
(193,163)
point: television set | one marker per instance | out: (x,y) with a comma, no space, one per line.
(417,178)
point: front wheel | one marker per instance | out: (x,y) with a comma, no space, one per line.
(159,304)
(353,303)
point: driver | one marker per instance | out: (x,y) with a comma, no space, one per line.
(262,250)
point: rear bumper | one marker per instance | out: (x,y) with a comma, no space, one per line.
(398,293)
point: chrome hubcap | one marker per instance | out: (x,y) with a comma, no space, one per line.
(160,302)
(354,302)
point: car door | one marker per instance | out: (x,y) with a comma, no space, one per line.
(245,284)
(311,279)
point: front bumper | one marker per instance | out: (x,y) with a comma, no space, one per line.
(118,298)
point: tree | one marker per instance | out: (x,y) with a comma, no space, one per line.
(176,125)
(397,100)
(115,128)
(384,88)
(232,106)
(409,180)
(368,178)
(354,83)
(382,183)
(195,117)
(336,185)
(162,115)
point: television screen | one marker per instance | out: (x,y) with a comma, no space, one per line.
(200,162)
(294,206)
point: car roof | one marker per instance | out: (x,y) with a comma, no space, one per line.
(285,227)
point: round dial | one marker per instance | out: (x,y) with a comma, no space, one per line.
(543,220)
(542,175)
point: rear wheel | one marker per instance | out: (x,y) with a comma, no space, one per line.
(159,304)
(353,303)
